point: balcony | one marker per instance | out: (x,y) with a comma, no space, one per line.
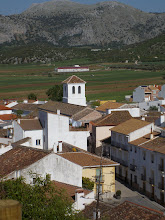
(151,181)
(161,186)
(161,167)
(133,167)
(101,179)
(143,177)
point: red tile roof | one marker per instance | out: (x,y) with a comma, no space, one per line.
(70,189)
(86,159)
(3,107)
(30,124)
(8,117)
(73,79)
(130,126)
(113,119)
(18,158)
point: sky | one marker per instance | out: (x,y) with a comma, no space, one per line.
(8,7)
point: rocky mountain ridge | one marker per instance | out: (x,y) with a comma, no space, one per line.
(65,23)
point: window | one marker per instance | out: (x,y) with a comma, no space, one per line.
(38,142)
(135,179)
(135,150)
(130,148)
(144,155)
(79,89)
(152,158)
(73,90)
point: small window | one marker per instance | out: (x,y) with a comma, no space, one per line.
(152,158)
(38,142)
(73,90)
(144,155)
(135,150)
(130,148)
(79,89)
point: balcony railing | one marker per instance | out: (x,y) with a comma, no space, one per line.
(143,177)
(161,186)
(161,167)
(133,167)
(151,181)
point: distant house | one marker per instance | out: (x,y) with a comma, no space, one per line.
(145,93)
(109,105)
(74,69)
(101,127)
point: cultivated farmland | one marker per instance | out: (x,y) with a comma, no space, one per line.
(17,81)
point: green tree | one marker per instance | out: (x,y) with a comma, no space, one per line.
(19,113)
(32,96)
(39,201)
(87,183)
(55,93)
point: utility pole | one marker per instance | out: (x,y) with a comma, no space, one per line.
(98,193)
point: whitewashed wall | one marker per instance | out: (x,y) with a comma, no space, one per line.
(35,135)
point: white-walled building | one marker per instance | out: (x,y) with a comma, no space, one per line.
(74,91)
(74,69)
(29,128)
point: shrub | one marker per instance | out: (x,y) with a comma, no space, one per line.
(32,96)
(118,193)
(87,183)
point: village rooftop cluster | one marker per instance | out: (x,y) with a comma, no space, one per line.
(69,141)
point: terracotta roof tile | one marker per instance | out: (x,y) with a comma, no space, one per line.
(125,211)
(30,124)
(25,107)
(65,108)
(18,158)
(3,107)
(109,105)
(113,119)
(70,189)
(130,126)
(87,160)
(73,79)
(8,117)
(144,139)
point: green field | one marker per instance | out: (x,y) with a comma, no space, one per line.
(17,81)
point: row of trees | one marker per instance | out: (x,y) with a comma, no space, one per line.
(55,93)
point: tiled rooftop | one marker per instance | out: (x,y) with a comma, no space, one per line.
(3,107)
(30,124)
(113,119)
(65,108)
(19,158)
(25,107)
(144,139)
(86,159)
(8,117)
(109,105)
(73,79)
(130,126)
(70,189)
(124,211)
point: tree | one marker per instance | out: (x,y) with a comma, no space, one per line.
(19,113)
(40,201)
(32,96)
(55,93)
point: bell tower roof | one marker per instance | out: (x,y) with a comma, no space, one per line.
(73,79)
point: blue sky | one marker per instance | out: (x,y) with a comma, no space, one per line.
(17,6)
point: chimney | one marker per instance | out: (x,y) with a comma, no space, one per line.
(9,143)
(108,111)
(18,120)
(143,118)
(58,111)
(60,146)
(151,135)
(55,148)
(79,193)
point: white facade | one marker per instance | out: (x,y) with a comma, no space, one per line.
(35,135)
(60,169)
(139,94)
(74,93)
(162,92)
(147,105)
(71,69)
(56,128)
(81,200)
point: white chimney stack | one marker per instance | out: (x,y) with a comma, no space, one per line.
(58,111)
(55,148)
(60,146)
